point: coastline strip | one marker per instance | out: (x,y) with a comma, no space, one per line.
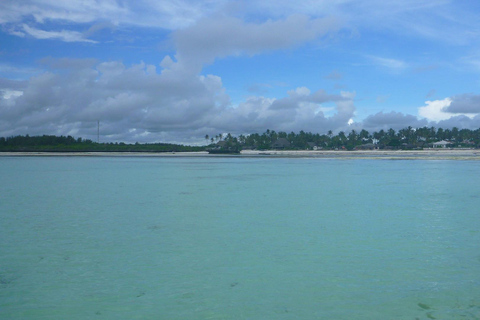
(429,154)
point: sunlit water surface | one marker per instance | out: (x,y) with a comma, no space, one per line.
(238,238)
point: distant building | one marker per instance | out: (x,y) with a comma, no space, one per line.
(441,144)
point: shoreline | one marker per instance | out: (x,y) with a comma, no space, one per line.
(434,154)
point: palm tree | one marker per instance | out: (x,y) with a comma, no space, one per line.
(391,133)
(242,139)
(364,135)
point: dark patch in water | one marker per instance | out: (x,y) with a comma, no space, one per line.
(234,284)
(185,193)
(4,281)
(155,227)
(141,294)
(430,316)
(423,306)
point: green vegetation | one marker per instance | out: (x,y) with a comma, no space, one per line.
(407,138)
(47,143)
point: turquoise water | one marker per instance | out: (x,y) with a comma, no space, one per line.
(238,238)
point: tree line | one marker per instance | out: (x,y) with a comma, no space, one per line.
(407,138)
(51,143)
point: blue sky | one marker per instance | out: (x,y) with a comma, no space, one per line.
(174,71)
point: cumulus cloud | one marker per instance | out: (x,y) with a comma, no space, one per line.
(139,102)
(394,120)
(224,36)
(465,103)
(437,113)
(76,99)
(435,110)
(299,112)
(461,121)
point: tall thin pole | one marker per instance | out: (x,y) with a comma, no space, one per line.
(98,131)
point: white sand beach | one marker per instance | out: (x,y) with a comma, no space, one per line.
(451,154)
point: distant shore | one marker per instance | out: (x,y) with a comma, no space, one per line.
(445,154)
(431,154)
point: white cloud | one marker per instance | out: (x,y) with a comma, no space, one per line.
(434,110)
(72,11)
(441,20)
(389,63)
(64,35)
(137,103)
(223,36)
(11,94)
(462,105)
(301,91)
(134,103)
(147,13)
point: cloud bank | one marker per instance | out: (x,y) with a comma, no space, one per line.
(146,104)
(141,103)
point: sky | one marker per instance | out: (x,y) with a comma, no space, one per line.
(177,70)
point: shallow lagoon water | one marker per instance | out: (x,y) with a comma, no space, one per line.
(239,238)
